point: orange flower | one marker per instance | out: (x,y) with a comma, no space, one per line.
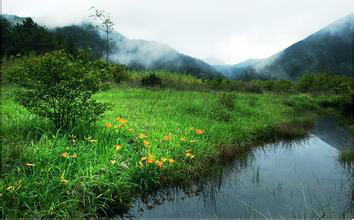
(142,136)
(199,131)
(191,128)
(118,146)
(121,120)
(30,164)
(150,159)
(183,139)
(108,125)
(168,137)
(146,143)
(65,155)
(171,160)
(159,164)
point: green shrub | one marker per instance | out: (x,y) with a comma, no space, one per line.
(119,72)
(227,100)
(325,83)
(151,80)
(58,87)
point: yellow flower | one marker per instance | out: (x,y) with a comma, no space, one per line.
(108,125)
(65,155)
(171,160)
(63,180)
(159,164)
(168,137)
(74,155)
(113,162)
(121,120)
(199,131)
(189,154)
(118,146)
(163,159)
(150,159)
(142,136)
(146,143)
(30,164)
(183,139)
(118,126)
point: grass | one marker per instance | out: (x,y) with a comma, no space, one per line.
(148,140)
(346,156)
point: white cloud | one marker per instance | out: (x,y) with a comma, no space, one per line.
(232,30)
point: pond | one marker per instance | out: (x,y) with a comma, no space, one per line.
(298,179)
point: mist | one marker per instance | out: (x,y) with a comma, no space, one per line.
(231,31)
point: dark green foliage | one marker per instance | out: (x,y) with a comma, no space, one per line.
(151,80)
(119,72)
(325,83)
(81,37)
(227,100)
(58,87)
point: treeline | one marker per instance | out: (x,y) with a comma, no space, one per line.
(28,37)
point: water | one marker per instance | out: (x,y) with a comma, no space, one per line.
(301,179)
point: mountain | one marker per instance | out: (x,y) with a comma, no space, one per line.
(141,55)
(135,54)
(213,61)
(232,71)
(330,50)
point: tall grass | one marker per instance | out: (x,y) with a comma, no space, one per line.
(150,139)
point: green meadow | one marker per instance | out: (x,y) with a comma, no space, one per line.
(181,131)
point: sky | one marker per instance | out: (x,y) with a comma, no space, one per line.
(230,30)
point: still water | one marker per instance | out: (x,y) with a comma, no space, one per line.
(300,179)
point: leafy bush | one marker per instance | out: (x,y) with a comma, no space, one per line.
(151,80)
(119,72)
(325,83)
(58,87)
(226,100)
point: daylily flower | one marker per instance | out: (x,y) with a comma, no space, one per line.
(199,131)
(108,125)
(168,137)
(118,146)
(142,136)
(30,164)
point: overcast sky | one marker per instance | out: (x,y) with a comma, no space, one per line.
(230,30)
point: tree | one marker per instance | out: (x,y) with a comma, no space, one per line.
(59,87)
(104,23)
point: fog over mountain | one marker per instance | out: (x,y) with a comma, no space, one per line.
(330,50)
(142,54)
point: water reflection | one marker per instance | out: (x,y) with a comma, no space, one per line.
(297,179)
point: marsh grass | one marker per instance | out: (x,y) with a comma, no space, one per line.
(85,173)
